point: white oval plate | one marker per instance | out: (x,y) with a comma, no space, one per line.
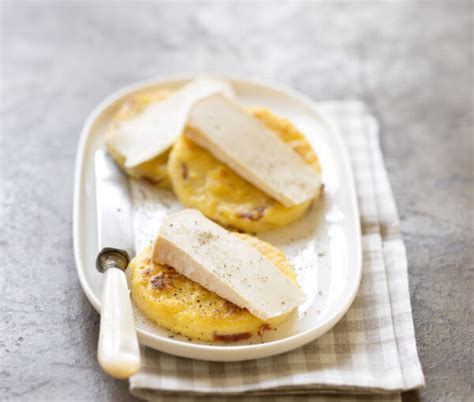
(324,246)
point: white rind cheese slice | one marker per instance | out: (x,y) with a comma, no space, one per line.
(153,131)
(206,253)
(251,150)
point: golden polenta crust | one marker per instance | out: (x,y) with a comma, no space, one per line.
(155,170)
(180,305)
(201,181)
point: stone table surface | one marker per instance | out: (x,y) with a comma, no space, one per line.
(412,62)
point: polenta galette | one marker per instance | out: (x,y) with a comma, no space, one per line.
(154,170)
(203,182)
(223,301)
(183,306)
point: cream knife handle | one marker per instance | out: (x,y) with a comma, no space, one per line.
(118,351)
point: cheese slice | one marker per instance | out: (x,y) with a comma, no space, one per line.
(251,150)
(153,131)
(206,253)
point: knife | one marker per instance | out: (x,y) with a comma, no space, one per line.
(118,352)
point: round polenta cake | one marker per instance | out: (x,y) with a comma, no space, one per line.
(185,307)
(155,170)
(201,181)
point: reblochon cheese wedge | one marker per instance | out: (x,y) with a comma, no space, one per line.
(251,150)
(219,261)
(155,129)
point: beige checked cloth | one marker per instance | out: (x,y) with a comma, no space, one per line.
(370,355)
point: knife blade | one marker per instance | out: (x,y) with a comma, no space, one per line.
(114,207)
(117,351)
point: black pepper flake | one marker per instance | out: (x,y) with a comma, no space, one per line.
(205,237)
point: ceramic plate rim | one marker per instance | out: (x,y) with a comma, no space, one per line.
(225,353)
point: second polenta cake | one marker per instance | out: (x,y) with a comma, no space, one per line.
(201,181)
(183,306)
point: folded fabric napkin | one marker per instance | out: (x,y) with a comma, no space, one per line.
(370,355)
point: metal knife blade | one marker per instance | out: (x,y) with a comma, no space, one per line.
(114,207)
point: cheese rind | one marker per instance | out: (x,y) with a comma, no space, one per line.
(206,253)
(154,130)
(251,150)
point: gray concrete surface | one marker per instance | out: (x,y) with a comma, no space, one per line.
(412,62)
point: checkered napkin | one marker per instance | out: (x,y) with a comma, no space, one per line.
(370,355)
